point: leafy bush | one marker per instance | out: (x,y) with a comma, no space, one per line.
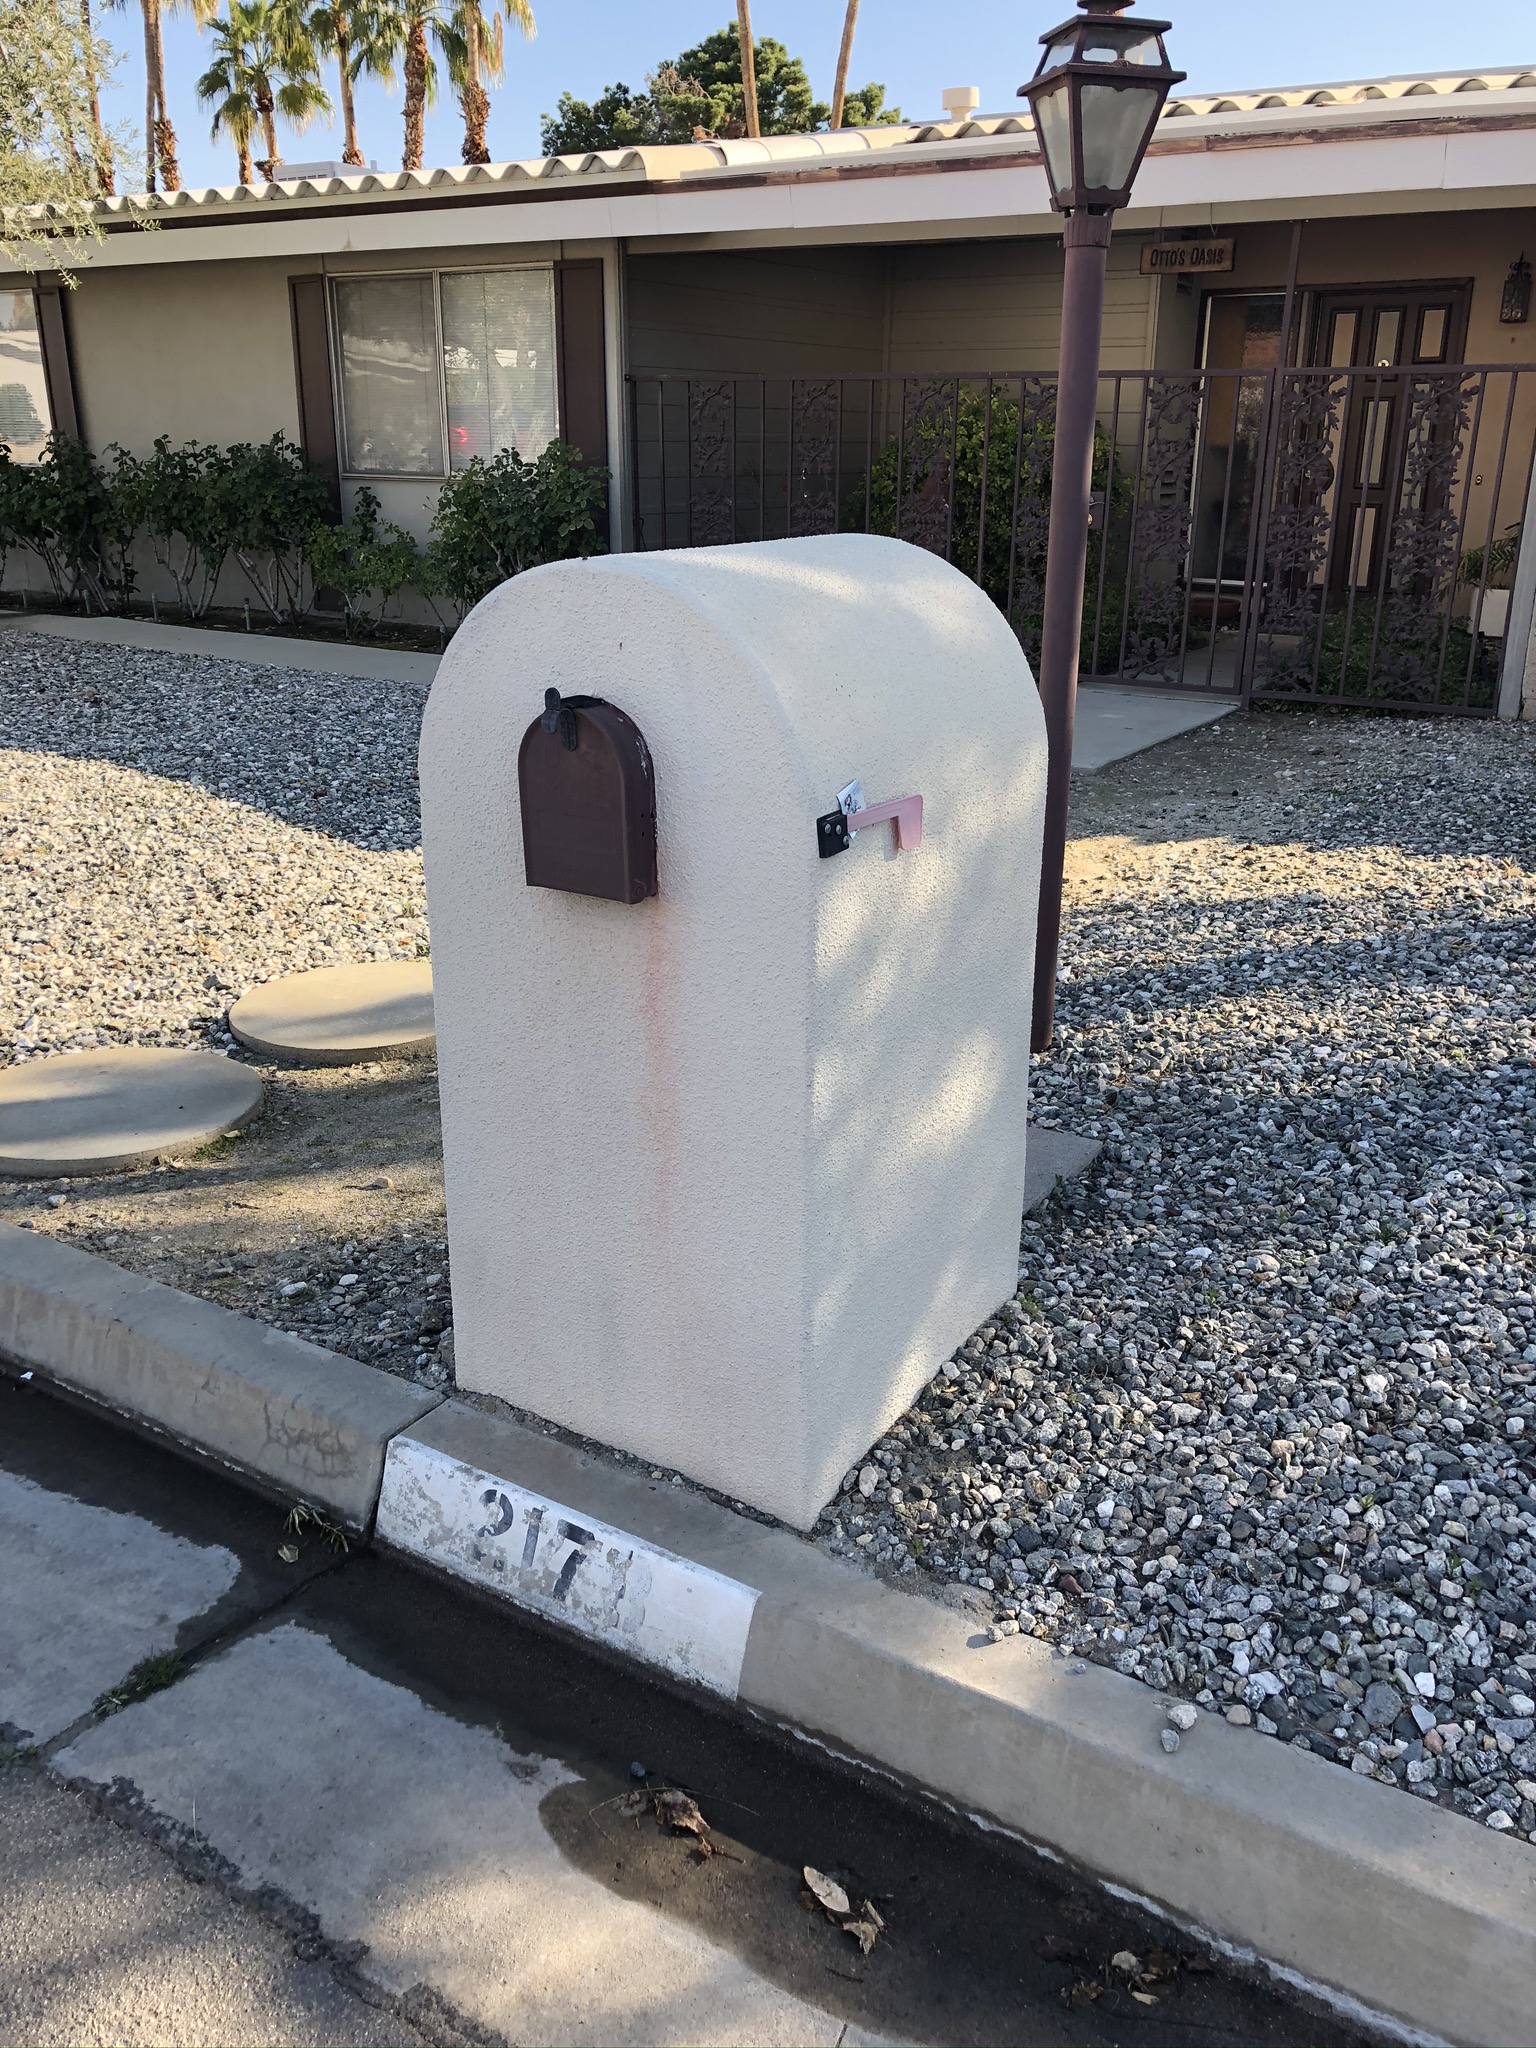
(197,505)
(179,498)
(1502,556)
(64,509)
(365,559)
(1014,457)
(274,502)
(497,518)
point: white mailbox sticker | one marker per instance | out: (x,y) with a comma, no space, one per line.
(643,1600)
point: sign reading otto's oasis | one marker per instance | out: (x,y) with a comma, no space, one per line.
(1184,259)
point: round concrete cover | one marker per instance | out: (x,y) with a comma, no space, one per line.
(335,1016)
(101,1111)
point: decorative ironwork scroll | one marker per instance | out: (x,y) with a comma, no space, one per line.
(926,462)
(1157,582)
(711,463)
(1421,556)
(1293,564)
(1026,494)
(815,417)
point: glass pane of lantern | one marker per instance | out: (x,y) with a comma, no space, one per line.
(1062,51)
(1109,42)
(1116,121)
(1054,125)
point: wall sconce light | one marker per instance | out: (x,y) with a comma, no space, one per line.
(1516,307)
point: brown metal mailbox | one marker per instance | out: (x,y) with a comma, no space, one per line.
(588,794)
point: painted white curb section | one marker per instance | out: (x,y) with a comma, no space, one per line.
(640,1600)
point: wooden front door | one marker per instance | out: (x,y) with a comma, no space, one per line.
(1384,333)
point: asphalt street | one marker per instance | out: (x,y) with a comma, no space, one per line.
(247,1798)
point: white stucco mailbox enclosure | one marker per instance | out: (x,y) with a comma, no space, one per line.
(732,1167)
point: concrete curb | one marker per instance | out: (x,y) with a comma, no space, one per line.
(1413,1917)
(297,1419)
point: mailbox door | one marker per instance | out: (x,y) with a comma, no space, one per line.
(589,811)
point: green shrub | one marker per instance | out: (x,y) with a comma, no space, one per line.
(494,519)
(1501,556)
(65,510)
(197,505)
(180,499)
(367,561)
(273,502)
(1015,456)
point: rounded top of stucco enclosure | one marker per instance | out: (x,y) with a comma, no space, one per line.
(792,607)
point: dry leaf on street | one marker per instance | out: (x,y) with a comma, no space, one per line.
(828,1892)
(866,1925)
(676,1810)
(288,1552)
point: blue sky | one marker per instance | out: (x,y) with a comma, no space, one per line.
(583,45)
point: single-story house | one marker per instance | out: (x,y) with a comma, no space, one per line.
(1320,369)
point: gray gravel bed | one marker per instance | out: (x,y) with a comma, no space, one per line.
(1258,1427)
(175,829)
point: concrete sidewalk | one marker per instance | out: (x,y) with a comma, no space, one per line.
(1114,720)
(263,650)
(1331,1879)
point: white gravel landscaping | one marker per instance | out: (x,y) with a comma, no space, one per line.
(1258,1427)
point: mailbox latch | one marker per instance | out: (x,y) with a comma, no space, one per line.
(836,831)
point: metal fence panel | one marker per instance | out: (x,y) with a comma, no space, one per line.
(1323,536)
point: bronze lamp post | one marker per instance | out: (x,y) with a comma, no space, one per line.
(1096,98)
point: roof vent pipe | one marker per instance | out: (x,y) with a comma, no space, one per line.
(960,102)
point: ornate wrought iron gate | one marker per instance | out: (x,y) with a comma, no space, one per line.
(1332,536)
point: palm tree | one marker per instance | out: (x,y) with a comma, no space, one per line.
(844,56)
(160,163)
(264,66)
(404,26)
(106,177)
(748,68)
(355,33)
(482,61)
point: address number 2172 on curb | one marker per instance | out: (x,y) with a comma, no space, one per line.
(551,1574)
(642,1600)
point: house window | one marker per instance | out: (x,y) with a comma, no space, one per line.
(25,418)
(499,362)
(390,381)
(440,367)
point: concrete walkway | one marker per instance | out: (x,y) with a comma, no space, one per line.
(1114,720)
(266,650)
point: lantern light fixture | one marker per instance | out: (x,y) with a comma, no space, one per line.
(1515,308)
(1096,96)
